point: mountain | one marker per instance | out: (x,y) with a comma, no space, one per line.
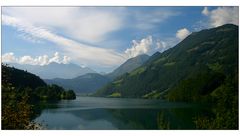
(87,83)
(20,78)
(192,70)
(91,82)
(128,66)
(55,70)
(25,83)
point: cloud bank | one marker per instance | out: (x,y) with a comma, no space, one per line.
(39,60)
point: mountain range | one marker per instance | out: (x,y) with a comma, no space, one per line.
(55,70)
(87,83)
(208,58)
(91,82)
(192,70)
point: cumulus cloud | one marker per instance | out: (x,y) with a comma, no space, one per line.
(140,47)
(39,60)
(55,58)
(8,57)
(182,33)
(66,59)
(81,52)
(221,16)
(149,45)
(43,60)
(28,60)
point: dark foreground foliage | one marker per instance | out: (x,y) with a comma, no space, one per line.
(21,91)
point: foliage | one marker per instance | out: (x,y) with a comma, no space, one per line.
(225,99)
(197,86)
(15,108)
(20,92)
(21,78)
(15,112)
(53,93)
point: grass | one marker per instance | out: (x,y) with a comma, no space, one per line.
(138,71)
(115,95)
(169,64)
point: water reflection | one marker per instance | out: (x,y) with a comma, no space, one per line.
(106,113)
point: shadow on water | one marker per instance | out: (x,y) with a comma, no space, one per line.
(106,113)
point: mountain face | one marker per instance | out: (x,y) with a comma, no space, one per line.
(91,82)
(128,66)
(20,78)
(87,83)
(55,70)
(191,70)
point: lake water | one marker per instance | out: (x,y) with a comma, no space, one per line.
(97,113)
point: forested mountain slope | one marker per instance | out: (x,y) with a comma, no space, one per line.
(192,69)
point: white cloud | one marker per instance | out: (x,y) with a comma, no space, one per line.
(80,52)
(55,58)
(86,24)
(39,60)
(161,46)
(182,33)
(143,46)
(205,11)
(222,15)
(43,60)
(149,46)
(28,60)
(66,59)
(8,57)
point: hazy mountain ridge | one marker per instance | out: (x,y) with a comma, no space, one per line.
(55,70)
(128,66)
(91,82)
(87,83)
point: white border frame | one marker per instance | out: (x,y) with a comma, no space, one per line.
(120,3)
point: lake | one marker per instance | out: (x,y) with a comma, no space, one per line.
(95,113)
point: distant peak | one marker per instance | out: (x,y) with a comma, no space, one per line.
(141,56)
(227,25)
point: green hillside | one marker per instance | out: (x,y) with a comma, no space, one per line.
(203,68)
(128,66)
(205,59)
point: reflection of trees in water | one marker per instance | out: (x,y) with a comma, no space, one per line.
(162,122)
(135,118)
(38,107)
(182,118)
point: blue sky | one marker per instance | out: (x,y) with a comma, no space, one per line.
(101,38)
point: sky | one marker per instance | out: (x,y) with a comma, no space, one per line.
(101,38)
